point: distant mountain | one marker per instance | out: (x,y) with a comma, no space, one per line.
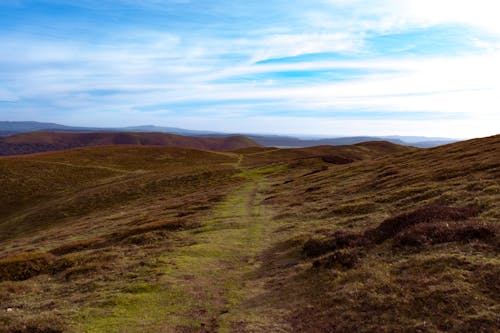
(421,141)
(294,142)
(11,127)
(285,141)
(172,130)
(34,142)
(431,143)
(413,139)
(6,133)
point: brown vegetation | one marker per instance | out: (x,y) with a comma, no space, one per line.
(362,238)
(403,243)
(446,232)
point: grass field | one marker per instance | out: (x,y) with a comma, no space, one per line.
(362,238)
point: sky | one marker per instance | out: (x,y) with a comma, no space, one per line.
(318,67)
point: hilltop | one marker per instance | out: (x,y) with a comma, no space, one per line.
(358,238)
(34,142)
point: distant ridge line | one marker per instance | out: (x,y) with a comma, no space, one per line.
(36,142)
(8,128)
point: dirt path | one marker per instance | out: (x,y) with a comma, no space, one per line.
(204,286)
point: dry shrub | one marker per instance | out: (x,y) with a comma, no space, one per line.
(184,213)
(12,287)
(76,246)
(313,189)
(24,266)
(62,264)
(284,216)
(396,225)
(80,270)
(448,288)
(493,189)
(488,276)
(168,225)
(313,172)
(339,240)
(387,173)
(334,159)
(27,265)
(340,259)
(202,207)
(482,323)
(356,208)
(30,328)
(392,226)
(41,323)
(271,200)
(146,238)
(445,232)
(134,233)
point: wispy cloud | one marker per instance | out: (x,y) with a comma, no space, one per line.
(325,66)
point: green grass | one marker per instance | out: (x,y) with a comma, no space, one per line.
(201,283)
(148,309)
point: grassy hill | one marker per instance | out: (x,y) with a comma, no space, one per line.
(406,242)
(34,142)
(361,238)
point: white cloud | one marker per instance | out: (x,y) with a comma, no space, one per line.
(161,68)
(482,13)
(392,14)
(288,45)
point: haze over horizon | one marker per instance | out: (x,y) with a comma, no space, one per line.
(323,67)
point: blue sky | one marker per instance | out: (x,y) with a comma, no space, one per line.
(325,67)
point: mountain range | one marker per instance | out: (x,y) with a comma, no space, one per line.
(8,128)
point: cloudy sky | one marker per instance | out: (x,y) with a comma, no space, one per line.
(325,67)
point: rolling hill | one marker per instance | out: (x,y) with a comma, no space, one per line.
(8,128)
(35,142)
(358,238)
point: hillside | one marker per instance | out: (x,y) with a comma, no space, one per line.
(410,242)
(362,238)
(34,142)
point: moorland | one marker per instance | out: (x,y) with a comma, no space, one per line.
(371,237)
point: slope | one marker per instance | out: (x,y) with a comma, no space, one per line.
(406,242)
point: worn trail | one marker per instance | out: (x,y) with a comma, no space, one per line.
(204,286)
